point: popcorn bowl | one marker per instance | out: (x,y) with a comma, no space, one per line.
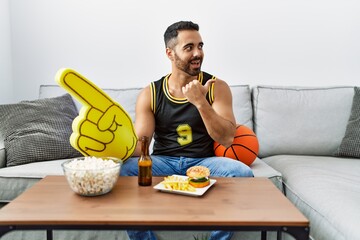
(92,176)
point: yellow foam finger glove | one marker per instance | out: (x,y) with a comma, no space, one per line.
(103,128)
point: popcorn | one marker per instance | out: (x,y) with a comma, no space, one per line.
(91,176)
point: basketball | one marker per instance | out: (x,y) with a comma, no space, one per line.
(244,148)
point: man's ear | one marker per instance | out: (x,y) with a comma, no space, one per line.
(170,53)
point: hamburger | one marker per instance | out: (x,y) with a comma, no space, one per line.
(198,176)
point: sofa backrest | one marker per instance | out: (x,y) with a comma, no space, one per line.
(301,121)
(127,99)
(242,105)
(286,120)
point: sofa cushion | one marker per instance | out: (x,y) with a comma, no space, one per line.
(326,191)
(304,121)
(242,105)
(2,153)
(262,169)
(127,99)
(38,130)
(15,180)
(350,145)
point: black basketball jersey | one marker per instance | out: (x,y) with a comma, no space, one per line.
(179,128)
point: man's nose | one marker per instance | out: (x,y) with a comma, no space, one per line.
(197,53)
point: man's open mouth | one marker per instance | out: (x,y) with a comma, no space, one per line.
(195,63)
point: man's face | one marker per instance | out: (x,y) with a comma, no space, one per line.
(188,52)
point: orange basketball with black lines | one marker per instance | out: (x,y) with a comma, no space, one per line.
(244,148)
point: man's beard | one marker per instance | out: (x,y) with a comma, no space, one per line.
(186,66)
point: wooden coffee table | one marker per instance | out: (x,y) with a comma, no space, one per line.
(234,204)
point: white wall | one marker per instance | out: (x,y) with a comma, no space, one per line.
(6,84)
(119,43)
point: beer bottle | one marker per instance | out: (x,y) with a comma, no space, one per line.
(145,163)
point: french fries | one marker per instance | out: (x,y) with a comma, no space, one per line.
(177,183)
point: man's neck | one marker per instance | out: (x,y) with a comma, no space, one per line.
(178,80)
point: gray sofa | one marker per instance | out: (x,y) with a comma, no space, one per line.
(308,148)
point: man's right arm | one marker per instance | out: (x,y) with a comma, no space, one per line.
(144,118)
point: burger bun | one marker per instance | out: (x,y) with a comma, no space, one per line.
(198,172)
(198,176)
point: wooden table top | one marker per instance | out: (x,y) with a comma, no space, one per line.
(229,202)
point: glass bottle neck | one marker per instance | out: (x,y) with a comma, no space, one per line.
(144,146)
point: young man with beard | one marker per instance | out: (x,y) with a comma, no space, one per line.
(185,111)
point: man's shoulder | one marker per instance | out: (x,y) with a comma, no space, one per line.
(160,80)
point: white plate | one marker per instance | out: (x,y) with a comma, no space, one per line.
(198,192)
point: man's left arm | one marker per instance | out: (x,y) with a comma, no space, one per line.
(218,118)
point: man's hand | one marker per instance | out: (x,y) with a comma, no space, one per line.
(195,92)
(103,127)
(218,118)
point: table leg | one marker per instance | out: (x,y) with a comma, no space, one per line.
(297,233)
(263,235)
(49,234)
(5,230)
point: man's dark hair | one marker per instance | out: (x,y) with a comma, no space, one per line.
(172,31)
